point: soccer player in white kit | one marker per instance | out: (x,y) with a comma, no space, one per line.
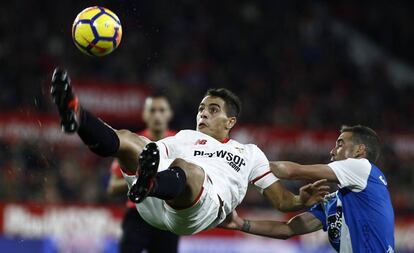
(189,182)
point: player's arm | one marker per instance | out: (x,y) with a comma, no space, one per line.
(300,224)
(291,170)
(286,201)
(278,195)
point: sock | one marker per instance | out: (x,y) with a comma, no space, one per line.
(169,183)
(100,138)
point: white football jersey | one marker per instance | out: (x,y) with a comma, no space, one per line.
(230,165)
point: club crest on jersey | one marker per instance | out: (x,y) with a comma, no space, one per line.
(233,160)
(201,142)
(241,150)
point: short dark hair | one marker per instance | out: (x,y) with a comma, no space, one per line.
(231,100)
(367,136)
(158,94)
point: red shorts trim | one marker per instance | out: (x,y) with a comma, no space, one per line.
(194,203)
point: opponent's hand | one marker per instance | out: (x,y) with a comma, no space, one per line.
(232,221)
(65,100)
(311,194)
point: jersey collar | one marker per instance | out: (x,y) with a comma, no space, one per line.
(225,140)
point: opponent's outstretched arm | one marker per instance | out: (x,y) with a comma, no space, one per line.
(101,139)
(286,201)
(300,224)
(291,170)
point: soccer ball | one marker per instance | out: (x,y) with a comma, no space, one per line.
(96,31)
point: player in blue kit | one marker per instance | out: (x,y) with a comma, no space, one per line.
(358,217)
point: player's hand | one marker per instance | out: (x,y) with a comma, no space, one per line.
(65,100)
(311,194)
(232,221)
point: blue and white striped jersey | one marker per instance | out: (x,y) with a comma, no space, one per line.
(359,216)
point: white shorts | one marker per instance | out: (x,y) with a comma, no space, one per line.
(206,213)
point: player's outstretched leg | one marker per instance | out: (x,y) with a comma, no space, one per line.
(100,138)
(97,135)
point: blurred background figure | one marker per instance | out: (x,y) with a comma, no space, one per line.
(301,69)
(137,235)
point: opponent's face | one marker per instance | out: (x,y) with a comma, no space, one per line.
(157,114)
(345,148)
(212,118)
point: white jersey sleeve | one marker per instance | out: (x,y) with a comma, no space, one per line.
(260,175)
(352,173)
(170,147)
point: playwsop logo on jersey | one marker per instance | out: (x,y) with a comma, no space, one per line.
(233,160)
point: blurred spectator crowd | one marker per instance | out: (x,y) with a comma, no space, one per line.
(280,57)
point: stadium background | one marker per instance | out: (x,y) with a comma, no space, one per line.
(301,68)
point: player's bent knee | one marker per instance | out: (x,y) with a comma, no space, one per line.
(194,181)
(180,163)
(129,140)
(193,172)
(131,146)
(123,138)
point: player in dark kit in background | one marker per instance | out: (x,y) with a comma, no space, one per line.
(137,235)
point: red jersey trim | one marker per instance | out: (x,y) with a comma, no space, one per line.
(225,140)
(166,149)
(260,177)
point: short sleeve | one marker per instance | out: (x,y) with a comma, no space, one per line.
(172,147)
(168,147)
(260,175)
(116,169)
(319,213)
(352,173)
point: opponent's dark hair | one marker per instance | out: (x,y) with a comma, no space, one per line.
(159,94)
(367,136)
(231,100)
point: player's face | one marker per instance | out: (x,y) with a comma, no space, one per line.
(212,118)
(157,114)
(344,147)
